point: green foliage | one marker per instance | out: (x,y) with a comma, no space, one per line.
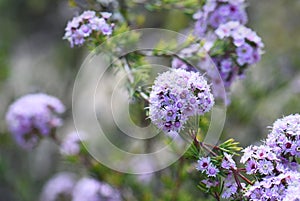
(187,6)
(230,146)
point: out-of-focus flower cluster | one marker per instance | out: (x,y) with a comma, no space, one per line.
(64,186)
(217,12)
(32,117)
(225,39)
(176,95)
(80,28)
(243,47)
(70,145)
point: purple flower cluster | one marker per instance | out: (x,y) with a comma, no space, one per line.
(210,168)
(33,116)
(232,47)
(248,45)
(244,44)
(230,44)
(282,187)
(274,163)
(284,138)
(64,186)
(82,26)
(176,95)
(261,160)
(217,12)
(205,166)
(230,186)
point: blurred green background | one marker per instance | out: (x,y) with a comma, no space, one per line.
(34,58)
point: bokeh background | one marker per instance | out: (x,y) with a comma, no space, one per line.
(34,58)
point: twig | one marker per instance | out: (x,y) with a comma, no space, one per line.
(245,178)
(237,179)
(207,149)
(128,70)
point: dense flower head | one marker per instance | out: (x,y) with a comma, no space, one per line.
(278,187)
(176,95)
(59,187)
(217,12)
(33,116)
(284,138)
(82,26)
(90,189)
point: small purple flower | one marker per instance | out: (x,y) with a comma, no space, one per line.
(228,162)
(87,15)
(224,10)
(244,51)
(261,152)
(203,164)
(227,30)
(265,167)
(226,65)
(248,154)
(85,30)
(106,29)
(216,19)
(212,171)
(251,167)
(33,116)
(96,23)
(78,37)
(105,15)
